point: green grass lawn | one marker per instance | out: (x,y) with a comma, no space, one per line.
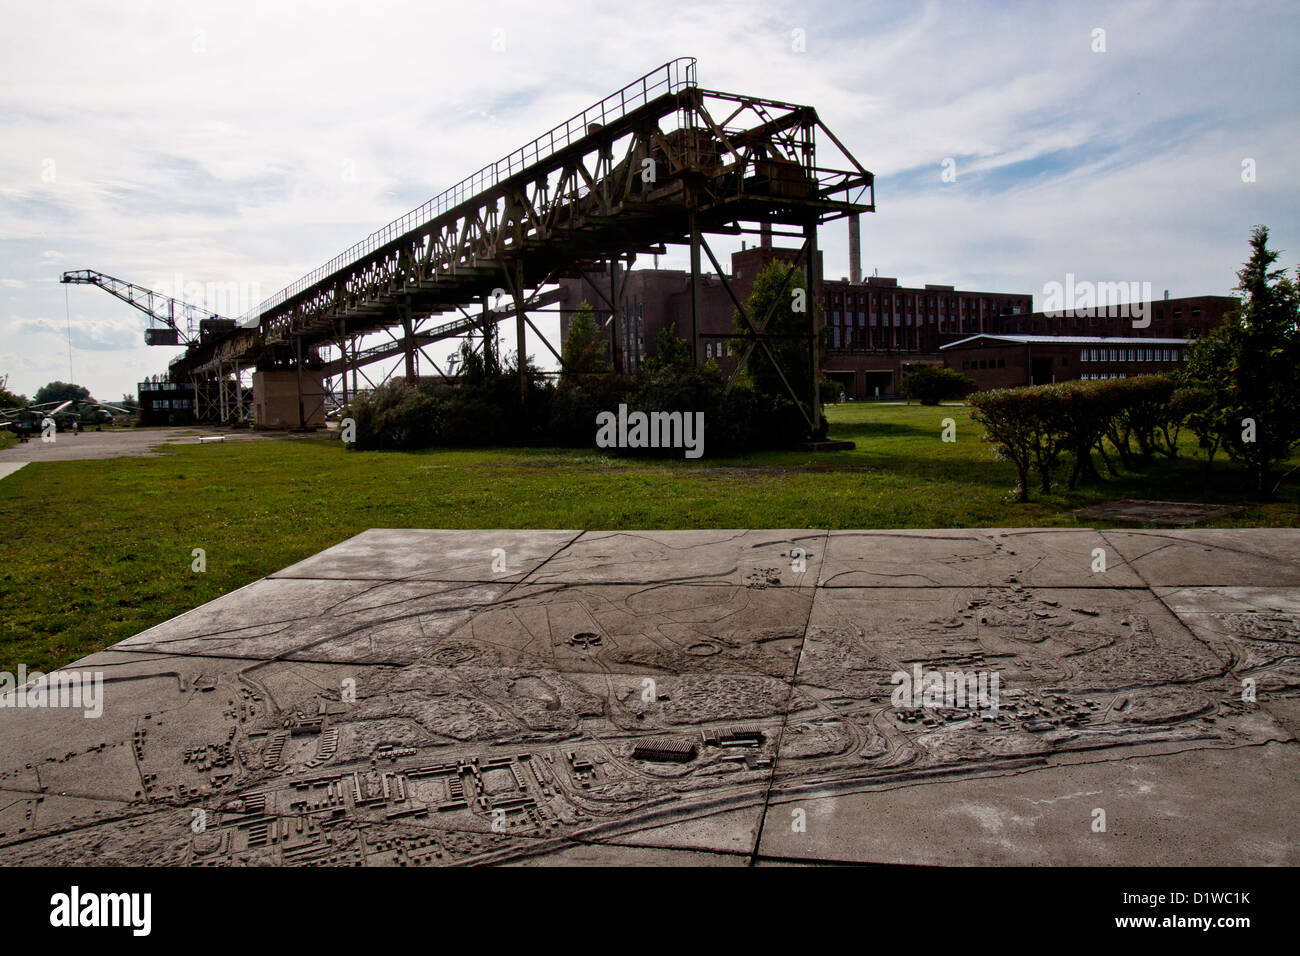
(94,551)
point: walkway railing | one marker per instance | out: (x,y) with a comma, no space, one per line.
(673,76)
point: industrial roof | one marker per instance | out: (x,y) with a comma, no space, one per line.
(1067,340)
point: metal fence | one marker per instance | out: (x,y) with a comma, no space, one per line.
(673,76)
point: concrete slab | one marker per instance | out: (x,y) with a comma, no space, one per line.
(1179,809)
(1045,637)
(9,467)
(677,629)
(570,715)
(749,558)
(325,620)
(606,855)
(970,557)
(1257,629)
(413,554)
(1212,557)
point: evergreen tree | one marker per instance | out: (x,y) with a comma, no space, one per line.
(1248,370)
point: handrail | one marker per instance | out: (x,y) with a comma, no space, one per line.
(673,76)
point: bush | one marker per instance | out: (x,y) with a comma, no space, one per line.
(1033,427)
(932,384)
(1007,415)
(572,420)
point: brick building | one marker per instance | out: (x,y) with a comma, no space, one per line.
(1039,347)
(1004,361)
(876,327)
(1182,318)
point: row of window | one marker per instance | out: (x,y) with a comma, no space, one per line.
(969,364)
(1131,355)
(889,318)
(946,303)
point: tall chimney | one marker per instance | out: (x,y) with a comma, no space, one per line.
(855,249)
(766,237)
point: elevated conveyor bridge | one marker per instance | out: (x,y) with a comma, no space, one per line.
(661,161)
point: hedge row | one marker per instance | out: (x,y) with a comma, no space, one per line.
(1036,428)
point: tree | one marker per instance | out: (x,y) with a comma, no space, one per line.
(1249,368)
(671,353)
(789,325)
(584,347)
(60,392)
(10,399)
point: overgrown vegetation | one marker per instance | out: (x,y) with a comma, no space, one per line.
(755,413)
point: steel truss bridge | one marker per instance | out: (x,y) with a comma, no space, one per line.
(661,161)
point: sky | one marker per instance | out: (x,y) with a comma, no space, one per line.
(222,150)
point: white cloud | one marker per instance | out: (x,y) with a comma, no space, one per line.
(209,140)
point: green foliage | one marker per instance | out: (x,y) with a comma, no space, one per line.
(10,399)
(584,348)
(774,292)
(671,352)
(932,384)
(1010,426)
(60,392)
(1035,427)
(573,411)
(482,410)
(1249,369)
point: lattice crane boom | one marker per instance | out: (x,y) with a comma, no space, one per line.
(181,318)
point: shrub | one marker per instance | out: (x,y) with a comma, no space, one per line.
(1035,426)
(931,384)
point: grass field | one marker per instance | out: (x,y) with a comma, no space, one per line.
(94,551)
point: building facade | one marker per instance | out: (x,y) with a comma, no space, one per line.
(1181,318)
(1006,361)
(875,327)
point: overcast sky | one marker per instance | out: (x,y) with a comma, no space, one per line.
(211,144)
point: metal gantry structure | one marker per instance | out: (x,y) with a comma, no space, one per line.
(661,161)
(217,398)
(179,321)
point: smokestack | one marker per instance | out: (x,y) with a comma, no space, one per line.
(766,237)
(855,249)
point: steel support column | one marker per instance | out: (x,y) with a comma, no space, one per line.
(522,351)
(408,343)
(695,289)
(297,348)
(616,352)
(813,274)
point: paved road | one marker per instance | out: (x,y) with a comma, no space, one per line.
(116,443)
